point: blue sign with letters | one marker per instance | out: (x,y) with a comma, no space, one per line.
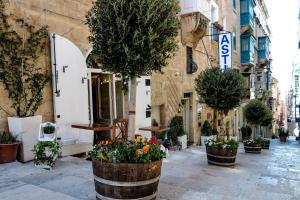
(225,49)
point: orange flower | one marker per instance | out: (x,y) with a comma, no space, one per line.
(146,149)
(138,152)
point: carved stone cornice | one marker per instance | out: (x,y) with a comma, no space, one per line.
(193,27)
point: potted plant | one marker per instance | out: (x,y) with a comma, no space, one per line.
(176,133)
(283,134)
(45,153)
(49,130)
(220,152)
(127,169)
(253,145)
(8,147)
(246,132)
(22,78)
(206,131)
(265,143)
(221,90)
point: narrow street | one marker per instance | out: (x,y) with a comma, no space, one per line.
(272,175)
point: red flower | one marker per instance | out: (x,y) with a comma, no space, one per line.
(153,140)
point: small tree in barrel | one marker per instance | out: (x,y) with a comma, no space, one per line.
(133,38)
(257,113)
(220,90)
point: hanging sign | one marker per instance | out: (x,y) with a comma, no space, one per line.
(225,50)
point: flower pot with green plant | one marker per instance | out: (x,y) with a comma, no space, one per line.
(283,134)
(206,131)
(221,90)
(20,48)
(45,153)
(253,145)
(265,143)
(8,147)
(48,130)
(131,169)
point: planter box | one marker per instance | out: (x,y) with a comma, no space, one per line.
(126,180)
(27,129)
(282,139)
(183,141)
(222,157)
(8,152)
(253,148)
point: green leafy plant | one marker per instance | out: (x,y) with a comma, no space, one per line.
(257,113)
(246,132)
(133,38)
(220,90)
(49,128)
(118,151)
(215,131)
(222,144)
(206,129)
(7,138)
(283,133)
(41,156)
(176,129)
(19,54)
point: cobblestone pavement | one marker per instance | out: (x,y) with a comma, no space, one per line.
(272,175)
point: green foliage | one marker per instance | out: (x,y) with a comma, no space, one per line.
(7,138)
(222,144)
(220,90)
(246,132)
(117,151)
(40,153)
(176,129)
(133,37)
(206,129)
(19,53)
(49,129)
(214,131)
(257,113)
(283,133)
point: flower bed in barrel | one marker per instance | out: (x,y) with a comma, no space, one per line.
(127,169)
(253,145)
(265,143)
(221,153)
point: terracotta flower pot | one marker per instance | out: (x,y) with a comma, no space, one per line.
(8,152)
(282,139)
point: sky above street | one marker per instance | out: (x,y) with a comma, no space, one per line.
(283,22)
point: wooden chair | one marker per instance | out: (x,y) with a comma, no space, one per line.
(120,128)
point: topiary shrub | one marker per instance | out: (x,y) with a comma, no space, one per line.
(206,129)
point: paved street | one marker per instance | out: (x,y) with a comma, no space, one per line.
(272,175)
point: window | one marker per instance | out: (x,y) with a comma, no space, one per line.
(245,44)
(234,40)
(147,82)
(234,4)
(214,33)
(244,7)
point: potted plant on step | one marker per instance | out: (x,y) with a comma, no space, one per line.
(221,90)
(20,48)
(48,130)
(8,147)
(253,145)
(127,169)
(206,131)
(283,134)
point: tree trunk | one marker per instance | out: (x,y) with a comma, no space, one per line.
(215,119)
(132,106)
(222,129)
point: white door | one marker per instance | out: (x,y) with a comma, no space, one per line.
(70,85)
(186,116)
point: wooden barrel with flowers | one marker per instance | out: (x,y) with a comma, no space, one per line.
(252,148)
(266,144)
(221,153)
(127,170)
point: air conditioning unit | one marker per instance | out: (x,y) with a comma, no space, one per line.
(193,6)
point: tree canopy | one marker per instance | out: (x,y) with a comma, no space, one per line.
(220,90)
(133,37)
(257,113)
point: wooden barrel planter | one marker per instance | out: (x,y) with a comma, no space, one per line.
(252,148)
(126,180)
(222,157)
(8,152)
